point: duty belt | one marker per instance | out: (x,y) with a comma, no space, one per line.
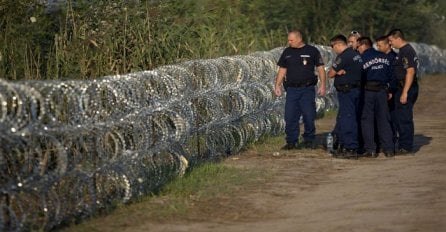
(299,85)
(346,87)
(375,86)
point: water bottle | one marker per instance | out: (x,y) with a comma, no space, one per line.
(329,143)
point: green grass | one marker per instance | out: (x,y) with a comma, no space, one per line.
(267,144)
(208,180)
(179,198)
(330,113)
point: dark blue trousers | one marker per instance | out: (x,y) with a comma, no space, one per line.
(391,105)
(300,101)
(403,114)
(347,118)
(376,109)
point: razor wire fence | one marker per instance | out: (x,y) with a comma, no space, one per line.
(71,148)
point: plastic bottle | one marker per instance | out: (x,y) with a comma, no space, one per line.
(329,143)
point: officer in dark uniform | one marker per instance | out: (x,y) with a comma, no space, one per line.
(377,74)
(405,71)
(297,63)
(383,45)
(346,70)
(352,41)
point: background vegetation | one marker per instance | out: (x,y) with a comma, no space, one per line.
(81,39)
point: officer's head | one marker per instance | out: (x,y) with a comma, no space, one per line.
(364,43)
(382,44)
(396,38)
(352,39)
(338,43)
(295,39)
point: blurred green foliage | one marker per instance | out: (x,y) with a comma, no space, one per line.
(83,39)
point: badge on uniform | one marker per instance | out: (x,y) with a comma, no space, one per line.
(304,59)
(405,62)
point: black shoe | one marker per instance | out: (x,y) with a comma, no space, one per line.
(335,142)
(309,145)
(389,153)
(346,154)
(289,146)
(351,154)
(403,151)
(370,154)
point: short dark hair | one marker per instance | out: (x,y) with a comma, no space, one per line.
(382,38)
(338,38)
(397,33)
(297,32)
(365,41)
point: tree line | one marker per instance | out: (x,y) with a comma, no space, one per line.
(82,39)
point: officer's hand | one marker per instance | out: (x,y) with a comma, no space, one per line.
(403,98)
(278,91)
(341,72)
(321,91)
(389,96)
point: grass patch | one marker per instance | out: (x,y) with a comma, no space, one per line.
(206,181)
(185,198)
(267,144)
(330,113)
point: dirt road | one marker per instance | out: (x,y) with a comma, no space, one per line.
(310,191)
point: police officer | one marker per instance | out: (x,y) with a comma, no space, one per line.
(352,40)
(346,70)
(297,63)
(405,71)
(383,45)
(377,73)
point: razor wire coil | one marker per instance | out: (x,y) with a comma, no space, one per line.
(71,148)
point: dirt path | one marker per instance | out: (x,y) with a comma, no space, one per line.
(312,192)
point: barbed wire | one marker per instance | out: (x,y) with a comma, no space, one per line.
(71,148)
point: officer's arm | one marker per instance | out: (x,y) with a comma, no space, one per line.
(331,73)
(322,77)
(279,80)
(280,77)
(410,73)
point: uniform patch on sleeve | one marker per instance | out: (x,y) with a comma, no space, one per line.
(338,60)
(405,62)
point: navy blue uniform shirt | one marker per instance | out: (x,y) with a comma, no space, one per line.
(376,66)
(351,62)
(406,58)
(300,63)
(393,81)
(391,55)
